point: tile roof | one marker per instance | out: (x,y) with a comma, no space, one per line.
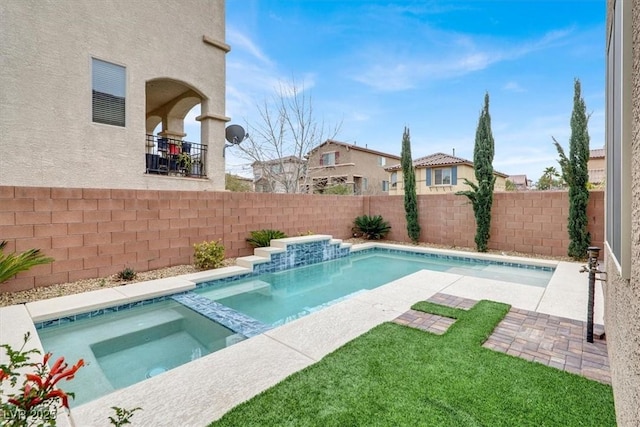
(518,179)
(287,159)
(437,159)
(355,147)
(597,153)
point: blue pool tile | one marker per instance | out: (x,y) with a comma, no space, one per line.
(232,319)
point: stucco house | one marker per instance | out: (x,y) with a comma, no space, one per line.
(85,83)
(596,166)
(281,175)
(359,168)
(520,182)
(439,173)
(622,209)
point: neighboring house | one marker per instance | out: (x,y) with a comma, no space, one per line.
(281,175)
(520,181)
(441,173)
(359,168)
(85,83)
(596,166)
(622,210)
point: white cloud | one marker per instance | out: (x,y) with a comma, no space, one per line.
(242,42)
(513,87)
(460,56)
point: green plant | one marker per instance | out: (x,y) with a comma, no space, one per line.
(122,415)
(209,255)
(395,375)
(550,179)
(337,189)
(39,397)
(236,183)
(481,194)
(262,238)
(575,173)
(12,264)
(127,274)
(184,162)
(371,227)
(410,196)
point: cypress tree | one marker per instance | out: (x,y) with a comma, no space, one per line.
(410,197)
(481,194)
(576,175)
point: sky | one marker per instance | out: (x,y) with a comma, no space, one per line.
(377,66)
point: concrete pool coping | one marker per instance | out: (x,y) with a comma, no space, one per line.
(201,391)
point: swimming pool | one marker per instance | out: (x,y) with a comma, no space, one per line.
(135,341)
(280,297)
(121,348)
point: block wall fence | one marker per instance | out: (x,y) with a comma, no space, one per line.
(98,232)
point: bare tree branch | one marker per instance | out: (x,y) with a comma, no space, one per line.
(285,133)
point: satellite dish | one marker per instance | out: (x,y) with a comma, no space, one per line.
(235,134)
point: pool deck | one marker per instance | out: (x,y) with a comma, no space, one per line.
(544,325)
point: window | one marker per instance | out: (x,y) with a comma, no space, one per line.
(319,185)
(618,140)
(276,169)
(394,179)
(338,180)
(385,185)
(382,161)
(108,93)
(365,183)
(329,159)
(443,176)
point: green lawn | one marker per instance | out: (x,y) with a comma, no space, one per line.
(399,376)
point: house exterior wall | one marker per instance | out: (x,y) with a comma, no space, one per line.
(622,295)
(463,171)
(267,181)
(98,232)
(48,137)
(354,165)
(596,168)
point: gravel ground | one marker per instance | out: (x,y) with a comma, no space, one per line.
(21,297)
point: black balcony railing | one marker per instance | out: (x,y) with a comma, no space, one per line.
(168,156)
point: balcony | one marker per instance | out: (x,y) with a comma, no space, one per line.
(176,157)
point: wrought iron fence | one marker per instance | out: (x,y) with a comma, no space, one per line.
(168,156)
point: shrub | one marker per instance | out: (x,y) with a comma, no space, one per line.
(371,227)
(37,400)
(262,238)
(12,264)
(209,255)
(338,189)
(127,274)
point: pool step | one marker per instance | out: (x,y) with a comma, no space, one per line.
(234,320)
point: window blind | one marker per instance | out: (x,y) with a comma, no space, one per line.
(108,93)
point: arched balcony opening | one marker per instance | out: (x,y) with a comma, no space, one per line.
(167,150)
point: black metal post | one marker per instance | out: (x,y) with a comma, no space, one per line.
(593,252)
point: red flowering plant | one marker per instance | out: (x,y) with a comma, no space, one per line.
(36,403)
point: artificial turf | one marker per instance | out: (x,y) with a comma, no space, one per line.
(399,376)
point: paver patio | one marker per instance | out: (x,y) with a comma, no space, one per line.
(551,340)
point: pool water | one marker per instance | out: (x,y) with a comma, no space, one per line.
(277,298)
(126,347)
(128,344)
